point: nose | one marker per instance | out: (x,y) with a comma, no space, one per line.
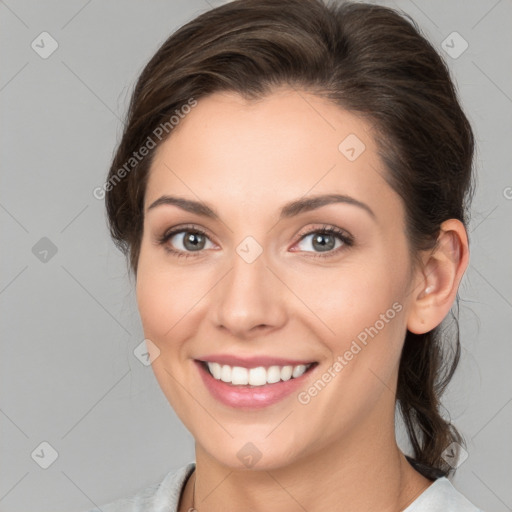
(250,299)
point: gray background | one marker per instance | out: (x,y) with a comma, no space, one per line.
(70,323)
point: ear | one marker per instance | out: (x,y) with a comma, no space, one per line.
(437,281)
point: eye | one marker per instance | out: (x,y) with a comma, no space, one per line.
(184,241)
(187,239)
(324,240)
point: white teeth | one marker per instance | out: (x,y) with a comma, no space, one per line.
(225,375)
(239,375)
(216,369)
(298,370)
(273,374)
(259,376)
(286,372)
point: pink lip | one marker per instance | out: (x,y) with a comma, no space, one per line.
(251,362)
(248,397)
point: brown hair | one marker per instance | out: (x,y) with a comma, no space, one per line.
(368,59)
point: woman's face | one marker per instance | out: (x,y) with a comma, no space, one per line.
(264,281)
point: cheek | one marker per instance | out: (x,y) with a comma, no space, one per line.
(155,299)
(162,301)
(170,298)
(366,320)
(360,308)
(351,296)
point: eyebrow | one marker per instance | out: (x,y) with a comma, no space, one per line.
(290,209)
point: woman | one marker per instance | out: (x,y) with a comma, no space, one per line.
(291,191)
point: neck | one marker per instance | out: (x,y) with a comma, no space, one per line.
(364,471)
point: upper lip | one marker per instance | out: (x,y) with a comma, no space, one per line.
(252,362)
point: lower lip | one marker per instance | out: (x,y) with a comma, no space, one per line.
(251,397)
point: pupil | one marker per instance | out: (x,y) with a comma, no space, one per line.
(193,239)
(324,246)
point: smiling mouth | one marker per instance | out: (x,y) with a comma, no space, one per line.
(255,377)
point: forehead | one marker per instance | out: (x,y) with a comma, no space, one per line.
(264,152)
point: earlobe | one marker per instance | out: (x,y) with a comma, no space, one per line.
(439,278)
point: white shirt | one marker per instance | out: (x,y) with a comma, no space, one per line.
(440,496)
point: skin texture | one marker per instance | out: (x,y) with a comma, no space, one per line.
(247,160)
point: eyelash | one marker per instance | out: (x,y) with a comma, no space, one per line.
(344,237)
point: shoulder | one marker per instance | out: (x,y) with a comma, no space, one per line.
(441,496)
(159,497)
